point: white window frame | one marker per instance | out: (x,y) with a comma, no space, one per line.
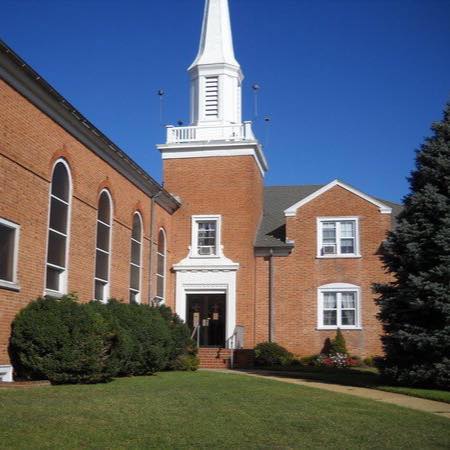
(194,233)
(338,220)
(158,275)
(141,246)
(107,285)
(338,288)
(63,281)
(12,284)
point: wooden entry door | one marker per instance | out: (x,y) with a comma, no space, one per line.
(208,311)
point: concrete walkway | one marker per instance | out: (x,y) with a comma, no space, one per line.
(439,408)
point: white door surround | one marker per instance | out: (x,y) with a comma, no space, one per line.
(207,276)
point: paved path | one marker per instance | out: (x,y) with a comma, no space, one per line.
(439,408)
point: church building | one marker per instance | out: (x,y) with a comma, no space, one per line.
(238,261)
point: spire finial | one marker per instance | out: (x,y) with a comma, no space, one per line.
(216,41)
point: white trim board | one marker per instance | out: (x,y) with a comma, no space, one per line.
(292,210)
(200,150)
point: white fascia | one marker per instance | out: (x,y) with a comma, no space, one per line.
(215,149)
(292,210)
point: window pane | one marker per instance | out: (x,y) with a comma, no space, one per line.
(348,317)
(136,253)
(134,277)
(347,246)
(348,229)
(99,290)
(101,265)
(58,215)
(104,208)
(103,232)
(160,268)
(329,318)
(56,249)
(6,253)
(348,300)
(329,232)
(60,182)
(52,279)
(329,300)
(136,230)
(161,242)
(160,287)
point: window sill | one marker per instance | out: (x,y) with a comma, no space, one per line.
(338,256)
(55,294)
(9,285)
(341,328)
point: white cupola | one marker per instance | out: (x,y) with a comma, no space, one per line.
(215,74)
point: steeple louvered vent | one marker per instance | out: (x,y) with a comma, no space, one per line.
(212,97)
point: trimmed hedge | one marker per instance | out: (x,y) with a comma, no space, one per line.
(61,340)
(272,354)
(65,341)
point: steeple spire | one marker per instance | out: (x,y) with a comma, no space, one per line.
(216,41)
(215,74)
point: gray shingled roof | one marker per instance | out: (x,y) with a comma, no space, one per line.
(272,230)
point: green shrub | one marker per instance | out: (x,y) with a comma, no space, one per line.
(61,340)
(185,362)
(338,345)
(272,354)
(181,342)
(369,361)
(309,360)
(144,337)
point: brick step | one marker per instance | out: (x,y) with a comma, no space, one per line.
(214,358)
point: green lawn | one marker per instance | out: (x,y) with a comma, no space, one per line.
(359,377)
(208,410)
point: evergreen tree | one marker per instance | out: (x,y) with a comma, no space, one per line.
(415,305)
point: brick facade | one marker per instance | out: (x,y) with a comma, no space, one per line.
(30,142)
(298,276)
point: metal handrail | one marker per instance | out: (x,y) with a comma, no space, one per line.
(196,330)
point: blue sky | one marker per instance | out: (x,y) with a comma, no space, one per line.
(351,87)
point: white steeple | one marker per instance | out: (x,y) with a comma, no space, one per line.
(215,74)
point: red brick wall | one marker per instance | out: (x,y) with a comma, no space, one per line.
(297,277)
(229,186)
(30,142)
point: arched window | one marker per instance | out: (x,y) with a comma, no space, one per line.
(58,229)
(161,267)
(136,259)
(103,247)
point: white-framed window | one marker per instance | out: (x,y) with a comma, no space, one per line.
(136,259)
(58,230)
(206,236)
(339,306)
(103,247)
(161,255)
(9,251)
(337,237)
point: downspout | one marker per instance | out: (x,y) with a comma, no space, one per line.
(150,264)
(271,299)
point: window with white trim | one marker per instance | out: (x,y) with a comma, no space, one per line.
(339,307)
(58,230)
(205,236)
(161,266)
(9,249)
(136,259)
(103,247)
(338,237)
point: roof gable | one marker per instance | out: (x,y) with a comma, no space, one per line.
(292,210)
